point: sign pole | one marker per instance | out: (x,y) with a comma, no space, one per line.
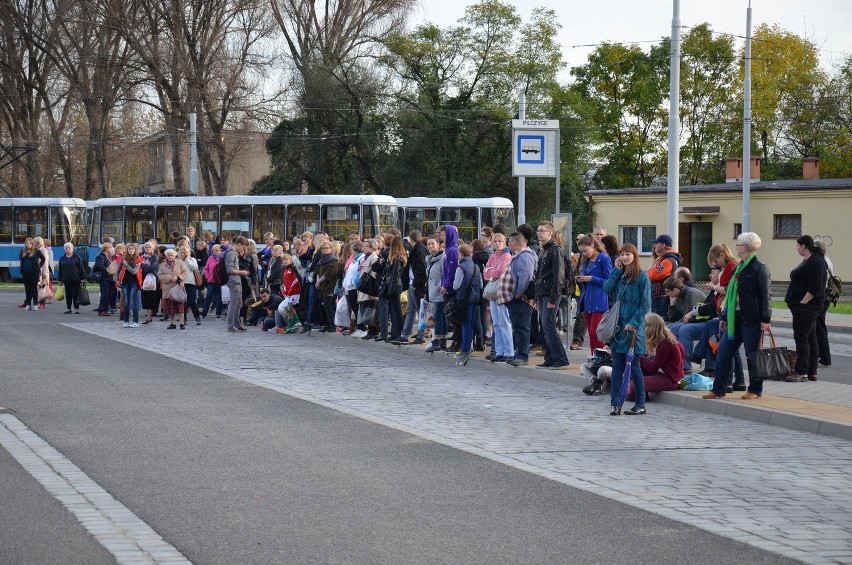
(522,181)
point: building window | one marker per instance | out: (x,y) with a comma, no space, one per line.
(788,226)
(640,236)
(738,229)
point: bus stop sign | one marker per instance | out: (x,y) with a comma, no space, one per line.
(535,148)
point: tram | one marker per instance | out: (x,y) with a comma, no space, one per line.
(469,215)
(141,218)
(56,220)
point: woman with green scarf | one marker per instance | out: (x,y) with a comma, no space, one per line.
(747,312)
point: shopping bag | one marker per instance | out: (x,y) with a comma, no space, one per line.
(83,296)
(367,315)
(60,293)
(177,293)
(44,294)
(150,282)
(341,314)
(768,364)
(112,268)
(423,316)
(226,294)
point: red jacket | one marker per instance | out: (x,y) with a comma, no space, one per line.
(291,285)
(123,270)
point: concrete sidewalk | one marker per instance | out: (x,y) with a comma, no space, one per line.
(819,407)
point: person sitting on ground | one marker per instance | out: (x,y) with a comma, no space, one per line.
(685,275)
(271,319)
(662,367)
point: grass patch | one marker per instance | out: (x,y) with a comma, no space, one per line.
(841,308)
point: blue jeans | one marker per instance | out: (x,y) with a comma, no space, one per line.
(520,316)
(687,335)
(440,329)
(502,336)
(555,351)
(467,328)
(619,363)
(132,301)
(214,297)
(746,335)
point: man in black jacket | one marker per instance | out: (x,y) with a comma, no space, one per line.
(549,281)
(416,288)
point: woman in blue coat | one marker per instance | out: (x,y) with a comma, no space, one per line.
(629,284)
(595,268)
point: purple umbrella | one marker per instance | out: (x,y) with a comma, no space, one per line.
(628,369)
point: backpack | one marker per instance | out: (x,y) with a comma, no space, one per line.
(833,289)
(569,284)
(220,273)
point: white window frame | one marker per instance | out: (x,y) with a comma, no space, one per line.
(639,237)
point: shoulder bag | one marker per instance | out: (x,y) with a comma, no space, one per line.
(768,364)
(608,326)
(177,293)
(368,285)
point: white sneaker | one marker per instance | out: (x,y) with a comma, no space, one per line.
(125,325)
(359,333)
(134,325)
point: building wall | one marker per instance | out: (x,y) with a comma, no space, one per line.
(824,212)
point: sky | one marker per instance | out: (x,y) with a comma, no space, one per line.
(825,22)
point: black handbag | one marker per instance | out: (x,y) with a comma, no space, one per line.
(455,310)
(768,364)
(83,296)
(368,285)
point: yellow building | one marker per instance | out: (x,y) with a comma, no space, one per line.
(781,211)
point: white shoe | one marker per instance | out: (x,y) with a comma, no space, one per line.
(125,325)
(359,333)
(134,325)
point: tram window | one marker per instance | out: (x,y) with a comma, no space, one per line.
(338,221)
(204,218)
(464,219)
(493,216)
(235,221)
(68,224)
(5,225)
(112,225)
(139,221)
(424,220)
(30,222)
(301,219)
(369,229)
(387,217)
(268,219)
(170,219)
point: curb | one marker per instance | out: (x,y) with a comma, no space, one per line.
(752,413)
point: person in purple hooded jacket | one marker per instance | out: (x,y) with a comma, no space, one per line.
(451,258)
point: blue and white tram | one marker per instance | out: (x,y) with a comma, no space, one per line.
(56,220)
(469,215)
(141,218)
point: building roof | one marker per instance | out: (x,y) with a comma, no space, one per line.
(762,186)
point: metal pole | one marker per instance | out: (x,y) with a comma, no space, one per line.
(193,156)
(558,176)
(673,191)
(522,181)
(747,127)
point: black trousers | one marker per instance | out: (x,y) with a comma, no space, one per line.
(31,291)
(822,337)
(804,332)
(71,289)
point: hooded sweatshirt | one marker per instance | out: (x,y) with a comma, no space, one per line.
(451,258)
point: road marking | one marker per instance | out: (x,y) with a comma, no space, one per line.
(119,530)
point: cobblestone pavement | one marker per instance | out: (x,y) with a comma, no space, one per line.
(784,491)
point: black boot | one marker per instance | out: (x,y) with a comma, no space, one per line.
(593,388)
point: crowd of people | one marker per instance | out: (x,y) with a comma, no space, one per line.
(503,291)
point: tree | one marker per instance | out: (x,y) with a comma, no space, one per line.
(625,89)
(710,122)
(786,81)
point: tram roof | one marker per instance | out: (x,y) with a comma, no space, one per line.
(243,200)
(420,201)
(31,201)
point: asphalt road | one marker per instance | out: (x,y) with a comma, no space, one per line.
(231,473)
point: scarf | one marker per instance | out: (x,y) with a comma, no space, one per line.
(731,296)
